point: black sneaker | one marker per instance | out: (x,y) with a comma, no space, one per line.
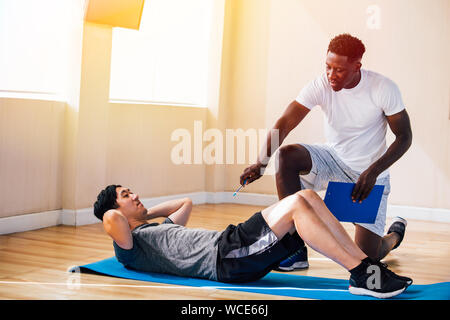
(297,261)
(398,226)
(376,282)
(408,281)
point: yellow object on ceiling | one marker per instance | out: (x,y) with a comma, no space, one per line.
(116,13)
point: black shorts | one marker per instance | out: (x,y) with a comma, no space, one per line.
(250,250)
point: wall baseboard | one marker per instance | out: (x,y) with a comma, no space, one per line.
(419,213)
(30,221)
(85,216)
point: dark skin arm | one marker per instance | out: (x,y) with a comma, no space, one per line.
(400,125)
(291,118)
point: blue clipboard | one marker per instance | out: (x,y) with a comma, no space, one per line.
(338,199)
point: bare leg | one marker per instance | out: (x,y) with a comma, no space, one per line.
(295,211)
(332,223)
(367,242)
(373,245)
(295,160)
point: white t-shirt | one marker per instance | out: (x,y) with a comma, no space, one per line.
(355,125)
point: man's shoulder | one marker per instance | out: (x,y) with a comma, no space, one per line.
(321,80)
(377,79)
(319,84)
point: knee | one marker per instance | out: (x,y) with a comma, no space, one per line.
(300,207)
(294,207)
(285,155)
(292,203)
(300,201)
(309,194)
(294,157)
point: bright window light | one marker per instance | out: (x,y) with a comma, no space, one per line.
(166,61)
(33,46)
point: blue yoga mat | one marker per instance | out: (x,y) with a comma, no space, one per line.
(279,284)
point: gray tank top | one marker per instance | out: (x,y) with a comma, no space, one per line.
(172,249)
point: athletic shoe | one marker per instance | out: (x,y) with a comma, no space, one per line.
(297,261)
(380,286)
(384,266)
(398,226)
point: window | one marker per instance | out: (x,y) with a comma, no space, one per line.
(166,60)
(34,39)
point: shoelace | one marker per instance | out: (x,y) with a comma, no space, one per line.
(298,253)
(384,266)
(291,257)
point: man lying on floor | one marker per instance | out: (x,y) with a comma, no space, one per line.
(241,253)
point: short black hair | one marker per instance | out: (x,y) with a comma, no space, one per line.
(347,45)
(106,200)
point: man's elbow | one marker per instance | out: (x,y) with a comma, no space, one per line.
(409,137)
(406,139)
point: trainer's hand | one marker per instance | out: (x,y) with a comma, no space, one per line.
(364,185)
(252,173)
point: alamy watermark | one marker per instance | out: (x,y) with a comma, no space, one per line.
(212,146)
(73,282)
(374,280)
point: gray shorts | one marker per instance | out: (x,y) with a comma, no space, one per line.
(326,166)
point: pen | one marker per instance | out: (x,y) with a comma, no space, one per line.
(239,188)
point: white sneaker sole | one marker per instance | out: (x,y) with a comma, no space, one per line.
(401,220)
(367,292)
(296,266)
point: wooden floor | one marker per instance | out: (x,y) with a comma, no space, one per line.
(34,264)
